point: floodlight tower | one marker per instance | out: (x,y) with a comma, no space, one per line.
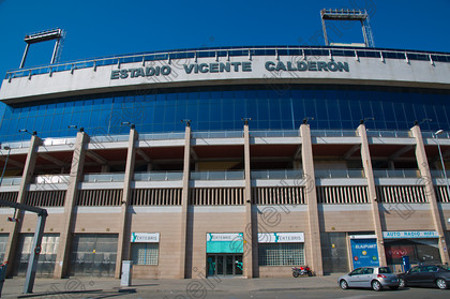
(349,15)
(43,36)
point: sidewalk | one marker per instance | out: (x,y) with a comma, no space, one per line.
(86,287)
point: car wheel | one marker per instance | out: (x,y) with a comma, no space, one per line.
(343,284)
(295,274)
(441,284)
(376,285)
(402,283)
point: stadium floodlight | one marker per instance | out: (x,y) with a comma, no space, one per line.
(129,124)
(187,122)
(44,36)
(306,119)
(246,120)
(34,133)
(81,129)
(362,121)
(348,15)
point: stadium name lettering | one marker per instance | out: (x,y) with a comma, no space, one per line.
(303,66)
(227,67)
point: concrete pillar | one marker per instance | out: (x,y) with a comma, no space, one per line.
(250,239)
(313,245)
(123,242)
(185,201)
(372,193)
(65,239)
(27,175)
(430,194)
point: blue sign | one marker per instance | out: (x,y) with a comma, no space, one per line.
(364,253)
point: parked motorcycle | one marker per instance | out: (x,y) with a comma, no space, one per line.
(301,271)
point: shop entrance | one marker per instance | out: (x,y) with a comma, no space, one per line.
(224,264)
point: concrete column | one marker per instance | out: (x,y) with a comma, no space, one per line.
(76,172)
(372,193)
(250,241)
(424,168)
(185,201)
(27,175)
(123,242)
(313,245)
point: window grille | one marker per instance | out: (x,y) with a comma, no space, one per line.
(281,254)
(145,253)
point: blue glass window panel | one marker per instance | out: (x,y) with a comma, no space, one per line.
(394,55)
(182,55)
(422,57)
(369,54)
(346,53)
(316,52)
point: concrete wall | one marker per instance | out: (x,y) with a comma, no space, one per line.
(367,71)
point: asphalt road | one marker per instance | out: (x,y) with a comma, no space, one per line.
(307,287)
(410,293)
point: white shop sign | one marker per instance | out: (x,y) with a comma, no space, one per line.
(297,237)
(144,237)
(410,235)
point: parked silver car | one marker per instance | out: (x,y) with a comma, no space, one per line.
(369,277)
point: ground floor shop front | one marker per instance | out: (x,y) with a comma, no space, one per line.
(224,252)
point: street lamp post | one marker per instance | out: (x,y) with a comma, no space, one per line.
(6,163)
(435,135)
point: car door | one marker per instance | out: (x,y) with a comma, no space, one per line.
(427,275)
(365,279)
(413,275)
(353,280)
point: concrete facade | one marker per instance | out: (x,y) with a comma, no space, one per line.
(318,191)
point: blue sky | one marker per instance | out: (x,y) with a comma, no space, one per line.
(98,28)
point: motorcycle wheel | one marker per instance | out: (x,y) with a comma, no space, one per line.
(295,274)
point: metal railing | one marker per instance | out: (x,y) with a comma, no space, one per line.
(282,174)
(104,177)
(218,134)
(275,51)
(397,173)
(11,181)
(276,133)
(159,176)
(17,144)
(162,136)
(435,173)
(217,175)
(109,138)
(52,179)
(389,134)
(58,141)
(339,173)
(334,133)
(443,135)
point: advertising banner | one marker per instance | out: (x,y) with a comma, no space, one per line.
(364,252)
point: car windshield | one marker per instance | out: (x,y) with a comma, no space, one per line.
(384,270)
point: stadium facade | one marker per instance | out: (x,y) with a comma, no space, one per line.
(233,161)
